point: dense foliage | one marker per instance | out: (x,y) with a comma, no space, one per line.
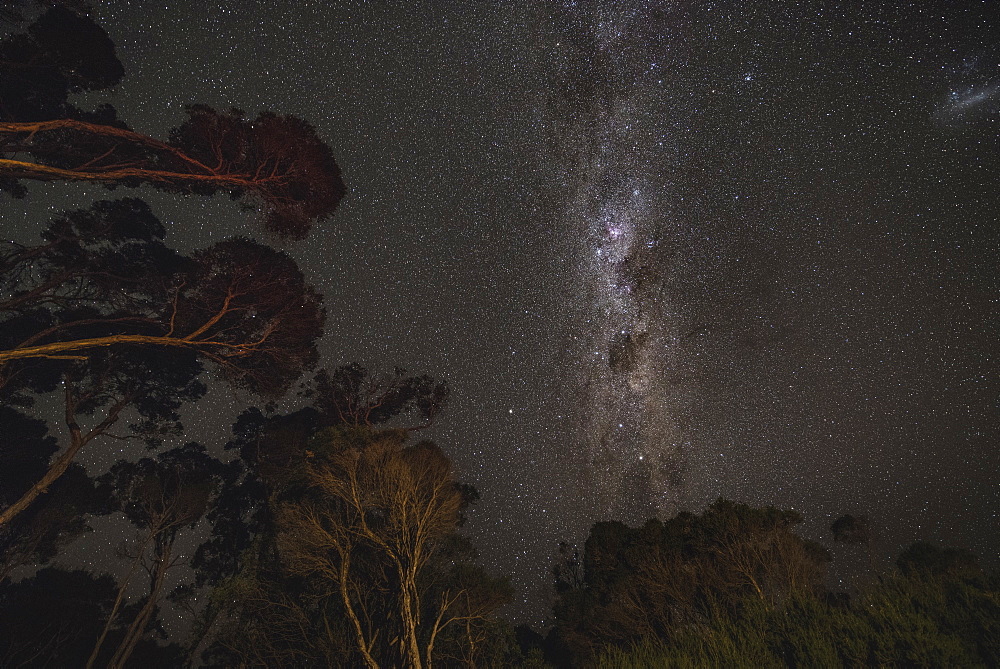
(937,609)
(921,620)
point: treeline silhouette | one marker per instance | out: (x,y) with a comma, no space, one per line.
(330,536)
(735,587)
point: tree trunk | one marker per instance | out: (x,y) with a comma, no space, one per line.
(141,622)
(57,469)
(408,599)
(118,601)
(77,440)
(363,645)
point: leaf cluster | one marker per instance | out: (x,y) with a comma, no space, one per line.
(665,576)
(62,52)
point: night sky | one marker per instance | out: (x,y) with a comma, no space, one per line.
(662,252)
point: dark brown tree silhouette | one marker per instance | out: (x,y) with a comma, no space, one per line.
(62,52)
(278,159)
(242,305)
(352,395)
(39,534)
(104,267)
(96,394)
(248,308)
(850,529)
(857,531)
(925,559)
(159,496)
(652,581)
(104,313)
(52,618)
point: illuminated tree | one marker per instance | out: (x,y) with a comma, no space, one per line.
(460,601)
(347,553)
(256,615)
(376,514)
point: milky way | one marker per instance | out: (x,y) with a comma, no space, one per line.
(611,137)
(769,231)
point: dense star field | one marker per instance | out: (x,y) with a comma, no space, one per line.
(661,252)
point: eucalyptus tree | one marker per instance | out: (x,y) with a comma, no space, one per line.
(277,160)
(160,496)
(103,313)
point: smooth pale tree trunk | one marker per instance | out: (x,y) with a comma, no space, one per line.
(408,600)
(345,595)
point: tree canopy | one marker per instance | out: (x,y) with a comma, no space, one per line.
(278,160)
(104,311)
(651,581)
